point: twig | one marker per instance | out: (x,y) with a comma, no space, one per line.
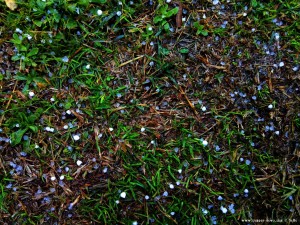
(2,117)
(131,60)
(189,102)
(179,16)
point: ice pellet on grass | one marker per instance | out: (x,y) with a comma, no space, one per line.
(65,59)
(31,94)
(215,2)
(79,162)
(76,137)
(223,209)
(99,12)
(123,195)
(204,142)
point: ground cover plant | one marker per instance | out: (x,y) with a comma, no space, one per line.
(149,112)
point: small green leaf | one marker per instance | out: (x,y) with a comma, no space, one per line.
(15,58)
(16,39)
(83,2)
(72,7)
(253,3)
(184,50)
(68,105)
(33,51)
(172,12)
(16,137)
(167,26)
(204,33)
(33,128)
(99,1)
(157,19)
(71,24)
(38,23)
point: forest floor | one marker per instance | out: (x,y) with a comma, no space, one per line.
(150,112)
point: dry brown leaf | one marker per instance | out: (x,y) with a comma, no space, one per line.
(11,4)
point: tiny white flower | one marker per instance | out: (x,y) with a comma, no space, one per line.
(223,209)
(76,137)
(111,129)
(171,186)
(204,142)
(31,93)
(119,13)
(123,195)
(99,12)
(143,129)
(270,106)
(53,178)
(79,162)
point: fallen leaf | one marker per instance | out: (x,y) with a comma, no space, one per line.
(11,4)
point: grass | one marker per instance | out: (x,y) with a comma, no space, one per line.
(148,112)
